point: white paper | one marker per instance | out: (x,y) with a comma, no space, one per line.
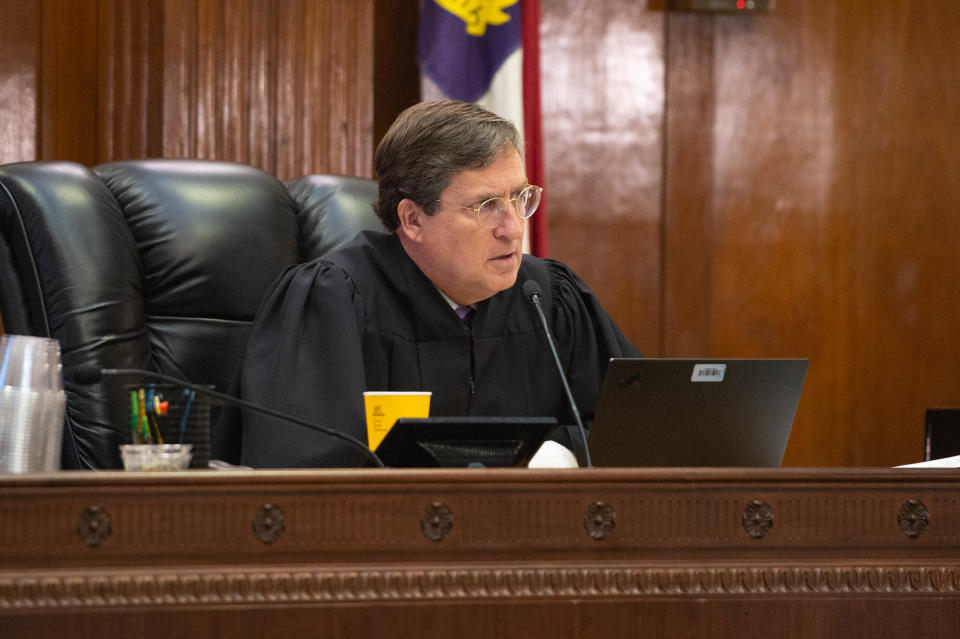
(944,462)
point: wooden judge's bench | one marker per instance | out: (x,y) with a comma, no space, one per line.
(761,553)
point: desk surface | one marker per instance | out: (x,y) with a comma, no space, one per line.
(678,552)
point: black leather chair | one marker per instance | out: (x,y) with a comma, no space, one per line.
(155,264)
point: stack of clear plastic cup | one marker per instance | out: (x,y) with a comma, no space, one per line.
(32,404)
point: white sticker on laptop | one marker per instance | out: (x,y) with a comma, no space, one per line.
(708,372)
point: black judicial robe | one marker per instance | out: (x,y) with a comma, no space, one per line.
(364,317)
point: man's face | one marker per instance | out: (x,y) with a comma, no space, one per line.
(464,260)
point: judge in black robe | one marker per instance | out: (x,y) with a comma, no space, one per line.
(364,317)
(370,316)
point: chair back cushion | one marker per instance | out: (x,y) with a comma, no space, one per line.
(331,210)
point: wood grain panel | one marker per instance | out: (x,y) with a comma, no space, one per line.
(339,81)
(212,129)
(602,85)
(755,254)
(688,228)
(69,82)
(19,57)
(130,97)
(285,86)
(396,82)
(810,211)
(897,101)
(291,122)
(180,79)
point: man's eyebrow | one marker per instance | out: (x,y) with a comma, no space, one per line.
(486,195)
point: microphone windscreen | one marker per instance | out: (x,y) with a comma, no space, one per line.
(87,374)
(531,289)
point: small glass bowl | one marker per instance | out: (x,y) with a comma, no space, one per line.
(156,456)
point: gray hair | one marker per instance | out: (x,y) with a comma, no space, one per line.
(431,142)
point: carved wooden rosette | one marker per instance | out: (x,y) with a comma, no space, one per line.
(913,518)
(437,521)
(599,520)
(94,526)
(757,519)
(269,522)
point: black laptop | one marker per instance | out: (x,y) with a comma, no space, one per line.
(696,412)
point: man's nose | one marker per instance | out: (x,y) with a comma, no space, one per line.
(511,224)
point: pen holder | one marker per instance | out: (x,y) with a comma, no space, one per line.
(145,457)
(182,416)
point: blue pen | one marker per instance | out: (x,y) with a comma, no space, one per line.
(186,412)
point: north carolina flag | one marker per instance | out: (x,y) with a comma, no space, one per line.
(488,52)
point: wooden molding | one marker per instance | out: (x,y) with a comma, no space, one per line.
(256,586)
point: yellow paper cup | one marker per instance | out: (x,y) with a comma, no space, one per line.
(386,407)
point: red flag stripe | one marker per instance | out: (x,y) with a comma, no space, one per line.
(532,128)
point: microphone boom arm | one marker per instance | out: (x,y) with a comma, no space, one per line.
(535,299)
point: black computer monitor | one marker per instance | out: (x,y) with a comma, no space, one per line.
(451,442)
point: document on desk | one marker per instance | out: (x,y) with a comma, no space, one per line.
(943,462)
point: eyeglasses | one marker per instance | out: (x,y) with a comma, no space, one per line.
(491,211)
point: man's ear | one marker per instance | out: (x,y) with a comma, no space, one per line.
(410,215)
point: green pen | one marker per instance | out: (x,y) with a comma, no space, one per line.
(134,415)
(142,417)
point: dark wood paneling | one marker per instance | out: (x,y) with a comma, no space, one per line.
(130,95)
(338,86)
(180,78)
(602,85)
(285,86)
(396,77)
(808,205)
(703,618)
(688,228)
(811,210)
(69,81)
(756,255)
(19,58)
(897,149)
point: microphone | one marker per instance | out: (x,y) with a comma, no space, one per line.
(531,291)
(91,375)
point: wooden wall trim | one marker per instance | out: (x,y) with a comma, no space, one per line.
(311,585)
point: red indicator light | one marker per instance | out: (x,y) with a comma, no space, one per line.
(741,4)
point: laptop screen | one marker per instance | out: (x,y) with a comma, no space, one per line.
(696,412)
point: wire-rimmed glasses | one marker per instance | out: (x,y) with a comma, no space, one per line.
(491,211)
